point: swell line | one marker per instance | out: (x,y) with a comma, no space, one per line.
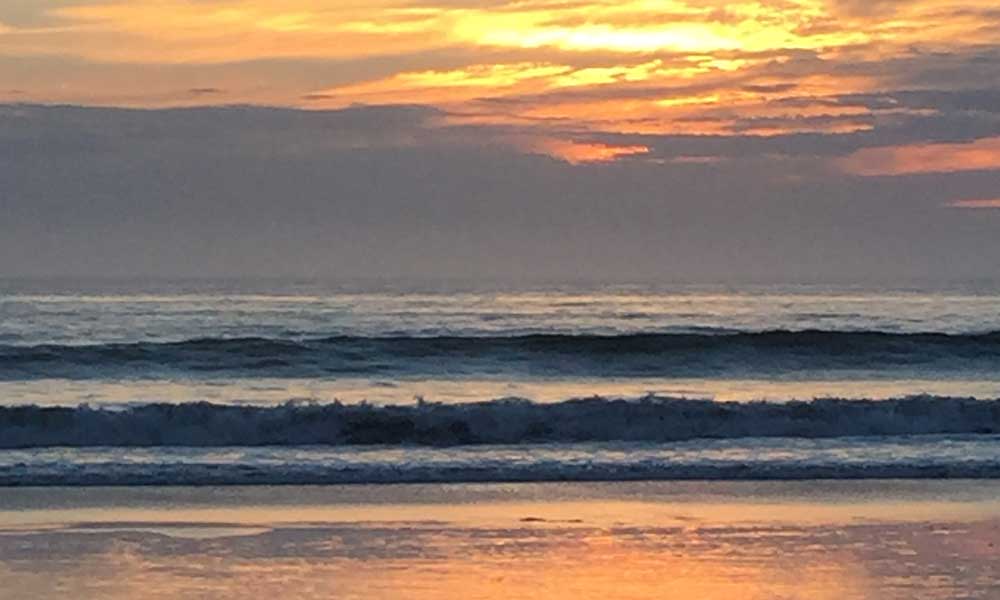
(654,354)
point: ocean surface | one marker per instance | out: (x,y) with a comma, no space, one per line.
(253,382)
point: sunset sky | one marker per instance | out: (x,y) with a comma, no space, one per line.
(800,138)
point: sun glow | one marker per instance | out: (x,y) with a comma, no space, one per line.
(584,152)
(564,70)
(683,38)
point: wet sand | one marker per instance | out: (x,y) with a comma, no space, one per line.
(685,540)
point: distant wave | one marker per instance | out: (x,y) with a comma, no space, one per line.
(642,355)
(508,421)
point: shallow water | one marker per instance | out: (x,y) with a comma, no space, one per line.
(923,457)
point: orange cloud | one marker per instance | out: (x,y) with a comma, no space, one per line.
(987,203)
(563,68)
(584,152)
(979,155)
(447,87)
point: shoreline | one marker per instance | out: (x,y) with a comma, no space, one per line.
(498,481)
(982,496)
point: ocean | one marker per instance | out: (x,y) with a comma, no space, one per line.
(302,382)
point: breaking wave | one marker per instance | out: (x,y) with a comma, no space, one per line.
(703,354)
(505,421)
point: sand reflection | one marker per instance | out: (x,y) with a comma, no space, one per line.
(578,545)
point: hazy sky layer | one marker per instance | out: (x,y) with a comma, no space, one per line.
(777,140)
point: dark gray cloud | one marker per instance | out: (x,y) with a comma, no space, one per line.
(386,192)
(770,88)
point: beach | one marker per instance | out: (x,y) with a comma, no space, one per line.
(682,540)
(499,300)
(234,442)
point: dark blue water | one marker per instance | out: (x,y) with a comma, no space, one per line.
(307,373)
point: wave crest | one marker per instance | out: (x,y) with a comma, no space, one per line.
(505,421)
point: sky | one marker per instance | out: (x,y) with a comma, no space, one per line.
(785,140)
